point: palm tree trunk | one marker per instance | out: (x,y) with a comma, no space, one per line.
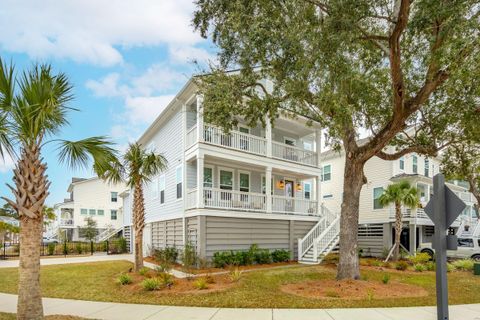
(138,224)
(398,230)
(31,190)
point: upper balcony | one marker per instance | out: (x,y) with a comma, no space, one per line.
(66,217)
(289,140)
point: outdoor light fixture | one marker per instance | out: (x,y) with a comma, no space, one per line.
(298,187)
(280,184)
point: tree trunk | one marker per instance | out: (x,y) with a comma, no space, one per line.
(31,190)
(138,224)
(398,230)
(354,178)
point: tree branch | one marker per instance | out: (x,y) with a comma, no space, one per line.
(414,149)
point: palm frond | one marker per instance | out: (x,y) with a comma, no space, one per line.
(79,153)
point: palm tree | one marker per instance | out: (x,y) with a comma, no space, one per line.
(136,167)
(33,109)
(401,193)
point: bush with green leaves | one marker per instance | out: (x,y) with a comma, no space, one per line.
(221,259)
(401,265)
(189,257)
(280,255)
(263,257)
(51,248)
(420,258)
(235,275)
(386,278)
(168,255)
(464,264)
(200,284)
(430,266)
(79,248)
(166,279)
(450,267)
(122,245)
(124,279)
(163,267)
(143,271)
(151,284)
(419,267)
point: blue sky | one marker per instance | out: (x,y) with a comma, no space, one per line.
(126,60)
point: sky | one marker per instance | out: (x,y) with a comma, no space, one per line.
(125,59)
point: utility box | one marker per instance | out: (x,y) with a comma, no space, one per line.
(476,269)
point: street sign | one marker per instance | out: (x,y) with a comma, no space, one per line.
(443,209)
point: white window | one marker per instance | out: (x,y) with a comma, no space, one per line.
(289,141)
(179,180)
(244,181)
(91,212)
(327,173)
(208,177)
(114,196)
(83,211)
(427,168)
(226,180)
(307,190)
(402,163)
(244,143)
(264,185)
(113,214)
(100,212)
(414,164)
(308,145)
(377,193)
(161,188)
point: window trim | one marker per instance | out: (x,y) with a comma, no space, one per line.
(243,127)
(249,180)
(426,167)
(272,182)
(285,138)
(303,191)
(176,182)
(323,172)
(414,164)
(373,197)
(211,167)
(159,193)
(116,214)
(83,210)
(94,212)
(103,212)
(401,163)
(219,169)
(116,196)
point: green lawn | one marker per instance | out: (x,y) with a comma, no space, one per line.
(96,281)
(13,316)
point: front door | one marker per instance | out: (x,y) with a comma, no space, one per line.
(289,193)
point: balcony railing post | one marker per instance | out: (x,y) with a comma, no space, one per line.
(268,189)
(200,189)
(268,136)
(200,132)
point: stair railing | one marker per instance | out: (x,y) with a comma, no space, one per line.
(325,239)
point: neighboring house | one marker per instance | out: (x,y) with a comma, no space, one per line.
(376,225)
(9,236)
(229,191)
(92,198)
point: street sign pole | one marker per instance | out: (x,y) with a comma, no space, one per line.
(440,246)
(443,209)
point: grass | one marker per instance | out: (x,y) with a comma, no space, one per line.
(259,289)
(13,316)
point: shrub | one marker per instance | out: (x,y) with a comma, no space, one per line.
(386,278)
(401,265)
(143,271)
(263,257)
(65,248)
(222,259)
(151,284)
(450,267)
(281,255)
(430,266)
(189,257)
(203,263)
(166,279)
(124,279)
(200,284)
(331,258)
(464,264)
(376,263)
(168,255)
(235,275)
(163,267)
(385,252)
(51,249)
(404,253)
(79,248)
(419,267)
(421,257)
(122,245)
(386,265)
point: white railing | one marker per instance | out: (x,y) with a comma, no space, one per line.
(235,140)
(108,233)
(66,222)
(191,137)
(293,205)
(323,244)
(235,200)
(191,198)
(295,154)
(326,220)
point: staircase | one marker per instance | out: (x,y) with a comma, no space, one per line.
(108,233)
(473,230)
(321,239)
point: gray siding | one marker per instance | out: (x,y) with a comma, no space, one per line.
(371,239)
(301,228)
(168,233)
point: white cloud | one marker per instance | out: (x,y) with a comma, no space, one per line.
(186,54)
(145,109)
(6,164)
(93,31)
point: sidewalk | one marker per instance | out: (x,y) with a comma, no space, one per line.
(120,311)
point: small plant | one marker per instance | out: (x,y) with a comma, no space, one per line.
(168,255)
(386,265)
(401,265)
(385,252)
(421,257)
(280,255)
(235,275)
(370,294)
(163,267)
(430,266)
(419,267)
(332,294)
(377,263)
(404,254)
(463,265)
(364,277)
(151,284)
(200,284)
(450,267)
(386,278)
(143,271)
(189,257)
(51,249)
(124,279)
(65,248)
(203,263)
(166,279)
(122,245)
(79,248)
(331,258)
(263,257)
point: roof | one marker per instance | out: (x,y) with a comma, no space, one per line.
(76,181)
(10,220)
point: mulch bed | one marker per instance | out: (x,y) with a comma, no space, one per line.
(353,289)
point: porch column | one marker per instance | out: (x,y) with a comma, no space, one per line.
(268,136)
(318,145)
(268,188)
(200,118)
(200,164)
(318,193)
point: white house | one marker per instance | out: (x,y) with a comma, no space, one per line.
(229,191)
(376,229)
(92,198)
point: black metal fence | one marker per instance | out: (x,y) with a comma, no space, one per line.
(113,246)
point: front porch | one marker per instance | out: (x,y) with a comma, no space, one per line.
(217,183)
